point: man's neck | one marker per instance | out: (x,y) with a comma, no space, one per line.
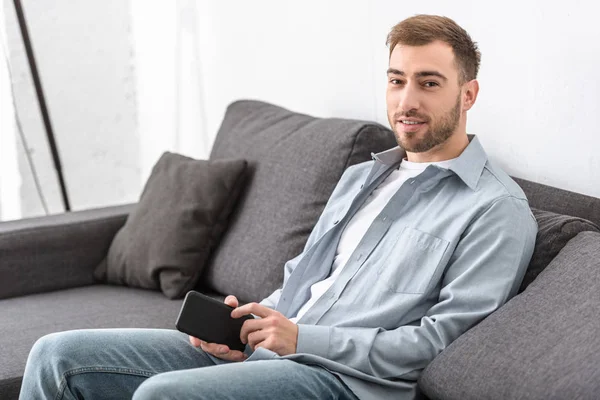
(451,148)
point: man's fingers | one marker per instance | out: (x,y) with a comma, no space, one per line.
(215,348)
(253,308)
(231,301)
(250,326)
(233,355)
(256,337)
(195,341)
(222,351)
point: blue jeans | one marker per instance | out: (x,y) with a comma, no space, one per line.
(161,364)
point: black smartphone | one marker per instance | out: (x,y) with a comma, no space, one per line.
(210,320)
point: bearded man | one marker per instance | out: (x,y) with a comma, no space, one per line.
(412,249)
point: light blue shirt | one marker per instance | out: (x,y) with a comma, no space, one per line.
(450,247)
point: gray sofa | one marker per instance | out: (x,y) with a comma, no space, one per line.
(47,264)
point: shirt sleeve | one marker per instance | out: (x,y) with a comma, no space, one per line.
(485,270)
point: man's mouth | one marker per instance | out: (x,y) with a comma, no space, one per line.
(410,125)
(409,122)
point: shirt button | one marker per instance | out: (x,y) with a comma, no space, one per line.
(411,182)
(336,222)
(384,218)
(361,186)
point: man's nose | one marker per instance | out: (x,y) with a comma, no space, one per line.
(409,99)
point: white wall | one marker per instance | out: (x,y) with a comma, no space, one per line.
(154,34)
(84,56)
(537,114)
(116,106)
(10,178)
(313,56)
(170,104)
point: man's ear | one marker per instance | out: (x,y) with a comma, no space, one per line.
(470,94)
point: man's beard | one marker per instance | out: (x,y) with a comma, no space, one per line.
(435,135)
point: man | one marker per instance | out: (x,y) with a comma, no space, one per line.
(412,249)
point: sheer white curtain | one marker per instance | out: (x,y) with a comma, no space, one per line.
(170,104)
(10,178)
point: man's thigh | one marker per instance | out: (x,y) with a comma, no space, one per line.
(265,379)
(151,350)
(106,363)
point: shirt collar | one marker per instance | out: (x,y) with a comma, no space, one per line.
(468,166)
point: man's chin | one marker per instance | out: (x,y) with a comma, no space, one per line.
(410,142)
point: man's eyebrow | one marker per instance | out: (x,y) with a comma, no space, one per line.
(420,74)
(394,71)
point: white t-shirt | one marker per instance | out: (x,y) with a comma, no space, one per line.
(361,221)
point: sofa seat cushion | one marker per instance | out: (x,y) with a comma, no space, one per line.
(25,319)
(542,344)
(295,162)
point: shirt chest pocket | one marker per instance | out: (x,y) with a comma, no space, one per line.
(412,261)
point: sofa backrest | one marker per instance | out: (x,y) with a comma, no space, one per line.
(561,201)
(295,161)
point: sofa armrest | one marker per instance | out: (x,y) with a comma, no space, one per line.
(56,252)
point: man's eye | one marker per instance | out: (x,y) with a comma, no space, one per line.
(430,84)
(395,81)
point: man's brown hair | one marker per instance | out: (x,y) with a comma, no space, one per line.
(424,29)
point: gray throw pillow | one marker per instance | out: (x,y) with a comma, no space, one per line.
(181,215)
(542,344)
(554,231)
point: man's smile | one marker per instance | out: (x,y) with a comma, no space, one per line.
(410,125)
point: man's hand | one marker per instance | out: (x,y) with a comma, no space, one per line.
(272,331)
(220,350)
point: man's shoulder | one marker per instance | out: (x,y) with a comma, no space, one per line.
(497,191)
(498,184)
